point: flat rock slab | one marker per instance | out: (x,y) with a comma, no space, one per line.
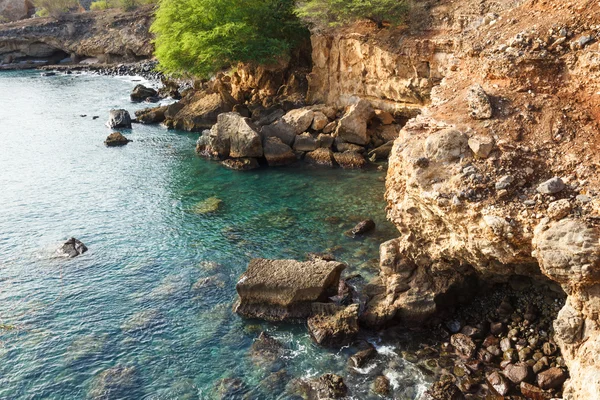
(278,290)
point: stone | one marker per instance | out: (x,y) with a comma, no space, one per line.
(350,160)
(504,182)
(14,10)
(241,164)
(444,389)
(381,385)
(328,386)
(141,93)
(320,156)
(305,142)
(497,328)
(361,358)
(301,119)
(207,206)
(320,121)
(384,117)
(73,248)
(325,141)
(233,136)
(116,139)
(549,348)
(559,209)
(278,153)
(114,383)
(382,152)
(498,383)
(266,349)
(119,119)
(533,392)
(363,227)
(446,145)
(551,186)
(271,116)
(481,146)
(552,378)
(463,345)
(154,115)
(278,290)
(335,330)
(280,129)
(479,103)
(517,373)
(352,128)
(330,127)
(342,146)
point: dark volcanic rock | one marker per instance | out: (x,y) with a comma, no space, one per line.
(116,139)
(73,248)
(141,93)
(119,119)
(359,359)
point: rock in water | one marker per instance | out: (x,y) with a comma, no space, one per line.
(352,128)
(141,93)
(278,290)
(278,153)
(363,227)
(350,160)
(73,248)
(114,383)
(280,129)
(444,389)
(207,206)
(320,156)
(480,106)
(116,139)
(119,119)
(464,346)
(241,164)
(381,385)
(337,329)
(328,386)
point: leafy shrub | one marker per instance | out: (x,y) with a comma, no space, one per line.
(201,37)
(324,13)
(100,5)
(54,8)
(125,5)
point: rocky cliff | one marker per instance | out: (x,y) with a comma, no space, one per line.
(14,10)
(108,36)
(497,176)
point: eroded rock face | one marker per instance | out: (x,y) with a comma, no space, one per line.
(278,290)
(233,136)
(336,329)
(119,119)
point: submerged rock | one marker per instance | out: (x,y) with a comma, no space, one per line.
(285,289)
(241,164)
(381,385)
(363,227)
(119,119)
(73,248)
(116,139)
(328,386)
(207,206)
(114,383)
(266,349)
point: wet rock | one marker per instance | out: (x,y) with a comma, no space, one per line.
(463,345)
(320,256)
(361,358)
(230,389)
(116,139)
(350,160)
(352,128)
(114,383)
(119,119)
(141,93)
(552,378)
(328,386)
(517,373)
(305,142)
(280,129)
(301,119)
(320,156)
(241,164)
(342,146)
(285,289)
(278,153)
(479,103)
(481,146)
(266,349)
(73,248)
(320,121)
(154,115)
(381,385)
(551,186)
(444,389)
(363,227)
(533,392)
(498,383)
(207,206)
(335,330)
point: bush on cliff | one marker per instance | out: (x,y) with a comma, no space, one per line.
(55,8)
(125,5)
(327,13)
(201,37)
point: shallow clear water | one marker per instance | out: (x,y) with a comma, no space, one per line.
(130,301)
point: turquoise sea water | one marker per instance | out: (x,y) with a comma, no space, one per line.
(133,301)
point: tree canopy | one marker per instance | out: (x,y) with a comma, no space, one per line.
(201,37)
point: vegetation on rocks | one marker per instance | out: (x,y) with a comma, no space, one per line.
(54,8)
(125,5)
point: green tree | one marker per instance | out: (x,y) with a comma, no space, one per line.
(201,37)
(324,13)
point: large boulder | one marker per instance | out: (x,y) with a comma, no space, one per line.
(154,115)
(198,111)
(479,103)
(278,153)
(350,160)
(352,128)
(278,290)
(119,119)
(233,136)
(320,156)
(336,329)
(301,119)
(280,129)
(141,93)
(73,248)
(116,139)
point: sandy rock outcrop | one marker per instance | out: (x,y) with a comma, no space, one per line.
(278,290)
